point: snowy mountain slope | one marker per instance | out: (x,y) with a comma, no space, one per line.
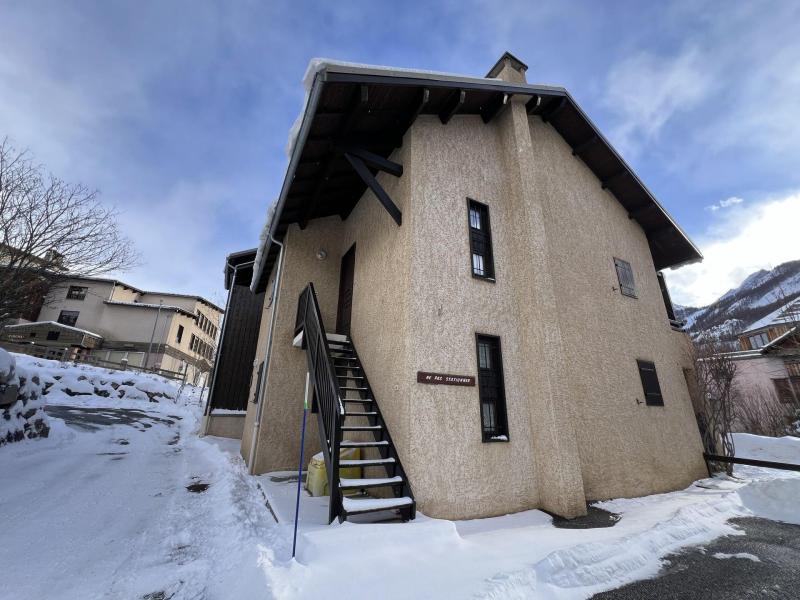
(759,294)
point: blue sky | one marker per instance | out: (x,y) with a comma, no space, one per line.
(179,111)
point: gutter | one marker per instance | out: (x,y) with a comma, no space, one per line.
(251,463)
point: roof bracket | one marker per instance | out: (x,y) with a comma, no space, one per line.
(547,116)
(452,106)
(373,160)
(614,178)
(372,183)
(496,106)
(583,146)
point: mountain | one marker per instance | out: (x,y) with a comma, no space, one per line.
(759,294)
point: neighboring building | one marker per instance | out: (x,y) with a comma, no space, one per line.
(53,340)
(150,329)
(482,235)
(768,364)
(233,367)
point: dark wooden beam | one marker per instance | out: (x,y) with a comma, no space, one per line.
(614,178)
(452,106)
(533,104)
(550,113)
(659,233)
(640,212)
(495,106)
(368,178)
(374,160)
(583,146)
(358,105)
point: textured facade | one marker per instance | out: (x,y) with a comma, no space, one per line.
(578,426)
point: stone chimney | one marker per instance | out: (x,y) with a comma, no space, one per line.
(509,68)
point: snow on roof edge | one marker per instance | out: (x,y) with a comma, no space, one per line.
(57,324)
(773,317)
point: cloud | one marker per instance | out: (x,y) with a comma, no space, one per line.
(732,201)
(741,240)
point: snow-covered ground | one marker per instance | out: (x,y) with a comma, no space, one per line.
(101,509)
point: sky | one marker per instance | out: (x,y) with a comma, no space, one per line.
(178,112)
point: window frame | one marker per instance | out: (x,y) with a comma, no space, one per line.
(489,272)
(642,366)
(70,312)
(82,290)
(179,334)
(501,407)
(624,289)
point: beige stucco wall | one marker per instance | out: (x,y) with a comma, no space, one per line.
(569,341)
(222,425)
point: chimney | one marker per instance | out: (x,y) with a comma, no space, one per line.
(509,68)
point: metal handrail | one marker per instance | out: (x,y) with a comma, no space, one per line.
(327,395)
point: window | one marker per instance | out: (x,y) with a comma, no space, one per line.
(32,334)
(652,391)
(480,241)
(491,390)
(68,317)
(625,277)
(179,337)
(76,292)
(787,389)
(758,341)
(53,335)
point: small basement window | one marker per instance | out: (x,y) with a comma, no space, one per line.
(480,240)
(650,386)
(627,286)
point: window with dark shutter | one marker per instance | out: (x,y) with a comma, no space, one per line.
(179,336)
(480,241)
(491,390)
(258,382)
(625,277)
(652,391)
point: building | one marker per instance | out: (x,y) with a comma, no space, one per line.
(768,362)
(470,275)
(230,383)
(174,332)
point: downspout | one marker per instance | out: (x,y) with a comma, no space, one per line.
(276,287)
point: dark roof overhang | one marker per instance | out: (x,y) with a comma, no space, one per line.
(239,264)
(373,108)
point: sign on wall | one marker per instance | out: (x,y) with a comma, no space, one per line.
(444,379)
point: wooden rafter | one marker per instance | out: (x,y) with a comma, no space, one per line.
(452,106)
(372,183)
(495,106)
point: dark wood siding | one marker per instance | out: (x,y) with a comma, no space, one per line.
(237,349)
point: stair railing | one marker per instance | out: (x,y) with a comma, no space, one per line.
(327,395)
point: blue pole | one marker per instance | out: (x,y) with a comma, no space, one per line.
(300,466)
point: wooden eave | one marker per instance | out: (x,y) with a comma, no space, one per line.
(375,107)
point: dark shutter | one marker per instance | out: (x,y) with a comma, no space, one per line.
(258,382)
(480,240)
(665,295)
(625,277)
(652,391)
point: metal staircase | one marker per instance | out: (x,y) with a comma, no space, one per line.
(349,417)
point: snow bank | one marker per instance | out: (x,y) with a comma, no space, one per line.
(781,449)
(24,417)
(60,380)
(776,499)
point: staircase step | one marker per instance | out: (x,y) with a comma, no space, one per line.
(362,427)
(366,462)
(335,358)
(352,388)
(349,444)
(360,414)
(352,506)
(362,400)
(362,484)
(349,377)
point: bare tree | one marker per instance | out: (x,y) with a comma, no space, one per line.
(50,229)
(760,411)
(714,374)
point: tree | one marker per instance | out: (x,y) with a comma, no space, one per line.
(50,230)
(714,373)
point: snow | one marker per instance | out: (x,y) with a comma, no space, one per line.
(351,505)
(787,313)
(106,513)
(55,324)
(744,555)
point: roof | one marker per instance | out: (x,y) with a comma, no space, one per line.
(51,324)
(376,106)
(788,313)
(241,264)
(168,307)
(774,343)
(141,291)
